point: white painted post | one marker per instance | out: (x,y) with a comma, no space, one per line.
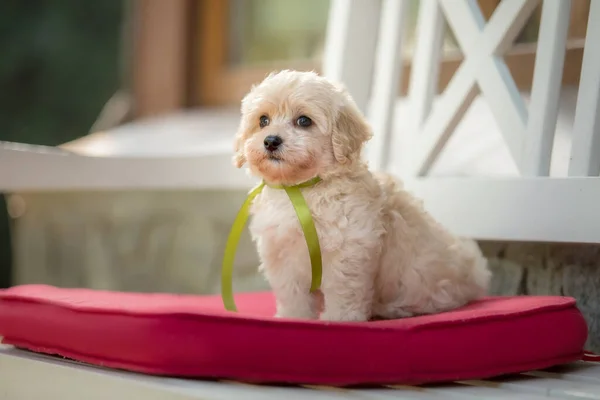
(547,82)
(585,148)
(423,85)
(426,61)
(386,81)
(350,44)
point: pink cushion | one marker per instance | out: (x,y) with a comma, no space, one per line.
(192,336)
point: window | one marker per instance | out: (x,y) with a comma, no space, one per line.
(232,44)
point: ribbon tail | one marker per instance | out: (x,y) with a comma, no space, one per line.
(310,234)
(230,248)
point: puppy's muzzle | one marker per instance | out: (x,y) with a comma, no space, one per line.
(272,142)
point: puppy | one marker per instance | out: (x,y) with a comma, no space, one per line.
(383,255)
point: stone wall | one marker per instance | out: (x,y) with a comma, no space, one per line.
(129,241)
(544,268)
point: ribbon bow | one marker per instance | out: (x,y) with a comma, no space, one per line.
(308,228)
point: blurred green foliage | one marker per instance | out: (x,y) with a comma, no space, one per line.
(59,64)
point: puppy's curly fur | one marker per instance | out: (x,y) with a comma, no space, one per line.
(384,256)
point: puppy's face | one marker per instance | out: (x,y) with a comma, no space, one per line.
(297,125)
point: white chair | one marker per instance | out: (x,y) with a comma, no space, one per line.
(409,138)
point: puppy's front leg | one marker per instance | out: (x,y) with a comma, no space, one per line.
(292,295)
(348,289)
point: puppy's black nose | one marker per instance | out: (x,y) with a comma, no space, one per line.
(272,142)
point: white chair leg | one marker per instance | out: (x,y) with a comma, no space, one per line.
(386,81)
(350,44)
(585,150)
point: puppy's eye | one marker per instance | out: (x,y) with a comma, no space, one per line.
(303,121)
(263,121)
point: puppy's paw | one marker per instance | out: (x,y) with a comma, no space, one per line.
(296,313)
(391,311)
(344,315)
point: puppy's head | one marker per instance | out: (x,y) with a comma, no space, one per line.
(297,125)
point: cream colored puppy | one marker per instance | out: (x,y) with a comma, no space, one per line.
(383,255)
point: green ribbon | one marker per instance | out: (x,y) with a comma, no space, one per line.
(308,228)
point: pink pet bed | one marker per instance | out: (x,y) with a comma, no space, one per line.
(192,336)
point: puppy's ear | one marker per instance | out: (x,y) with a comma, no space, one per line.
(350,132)
(239,159)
